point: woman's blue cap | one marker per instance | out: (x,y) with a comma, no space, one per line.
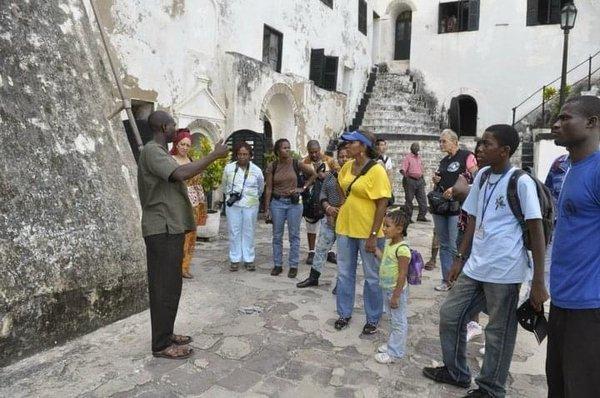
(356,136)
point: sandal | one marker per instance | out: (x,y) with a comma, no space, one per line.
(174,352)
(430,265)
(178,339)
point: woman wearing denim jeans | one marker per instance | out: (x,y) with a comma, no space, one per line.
(446,225)
(284,187)
(358,227)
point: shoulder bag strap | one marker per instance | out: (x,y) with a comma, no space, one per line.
(364,171)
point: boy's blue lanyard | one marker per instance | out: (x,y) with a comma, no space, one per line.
(486,198)
(243,183)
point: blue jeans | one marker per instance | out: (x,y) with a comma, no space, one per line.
(325,241)
(469,297)
(347,261)
(446,228)
(398,322)
(283,210)
(241,224)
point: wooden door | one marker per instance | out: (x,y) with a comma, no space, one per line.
(403,32)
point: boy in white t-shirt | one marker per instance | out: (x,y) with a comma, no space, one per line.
(494,271)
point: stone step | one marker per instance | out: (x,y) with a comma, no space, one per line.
(400,119)
(417,130)
(376,113)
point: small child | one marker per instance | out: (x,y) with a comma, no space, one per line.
(393,272)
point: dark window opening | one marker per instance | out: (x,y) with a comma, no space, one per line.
(268,133)
(362,16)
(462,115)
(328,3)
(272,48)
(544,12)
(459,16)
(323,69)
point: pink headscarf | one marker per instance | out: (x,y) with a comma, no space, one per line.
(181,134)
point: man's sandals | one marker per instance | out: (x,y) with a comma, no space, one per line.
(178,350)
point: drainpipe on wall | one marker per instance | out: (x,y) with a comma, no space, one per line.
(125,102)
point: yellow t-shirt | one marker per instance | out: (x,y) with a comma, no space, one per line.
(356,215)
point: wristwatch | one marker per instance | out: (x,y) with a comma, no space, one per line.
(460,256)
(374,233)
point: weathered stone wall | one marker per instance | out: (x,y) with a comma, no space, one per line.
(71,251)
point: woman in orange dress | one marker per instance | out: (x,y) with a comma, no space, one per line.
(180,152)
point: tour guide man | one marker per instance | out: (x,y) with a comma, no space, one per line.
(166,217)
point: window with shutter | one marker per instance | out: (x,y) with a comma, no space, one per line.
(458,16)
(317,66)
(323,69)
(362,16)
(272,48)
(544,12)
(330,75)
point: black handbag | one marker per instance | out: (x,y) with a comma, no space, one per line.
(441,206)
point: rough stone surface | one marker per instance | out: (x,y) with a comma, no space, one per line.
(284,357)
(71,253)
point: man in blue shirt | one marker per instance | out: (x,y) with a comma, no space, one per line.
(573,359)
(492,275)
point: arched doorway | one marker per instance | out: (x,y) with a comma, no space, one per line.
(281,118)
(462,115)
(403,33)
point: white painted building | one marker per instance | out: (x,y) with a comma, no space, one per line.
(498,53)
(223,66)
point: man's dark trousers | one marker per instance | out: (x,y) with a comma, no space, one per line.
(415,187)
(164,253)
(573,357)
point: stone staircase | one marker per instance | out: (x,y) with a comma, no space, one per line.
(393,109)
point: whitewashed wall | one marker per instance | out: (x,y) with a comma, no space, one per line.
(176,53)
(500,64)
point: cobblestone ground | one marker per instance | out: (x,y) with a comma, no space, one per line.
(289,349)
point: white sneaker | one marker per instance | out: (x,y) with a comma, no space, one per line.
(482,350)
(473,329)
(382,349)
(384,358)
(444,287)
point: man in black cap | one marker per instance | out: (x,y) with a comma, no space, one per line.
(166,217)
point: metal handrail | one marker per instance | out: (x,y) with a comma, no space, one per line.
(543,88)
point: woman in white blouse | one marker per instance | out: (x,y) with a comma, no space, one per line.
(243,184)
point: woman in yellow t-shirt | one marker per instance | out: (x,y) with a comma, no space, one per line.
(367,189)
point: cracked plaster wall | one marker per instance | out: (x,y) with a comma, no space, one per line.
(500,64)
(165,45)
(71,251)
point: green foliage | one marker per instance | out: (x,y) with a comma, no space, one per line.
(213,174)
(549,92)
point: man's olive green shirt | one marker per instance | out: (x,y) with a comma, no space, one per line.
(166,207)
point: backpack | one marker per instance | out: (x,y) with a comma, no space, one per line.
(313,210)
(415,266)
(544,196)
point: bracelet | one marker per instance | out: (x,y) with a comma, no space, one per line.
(327,208)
